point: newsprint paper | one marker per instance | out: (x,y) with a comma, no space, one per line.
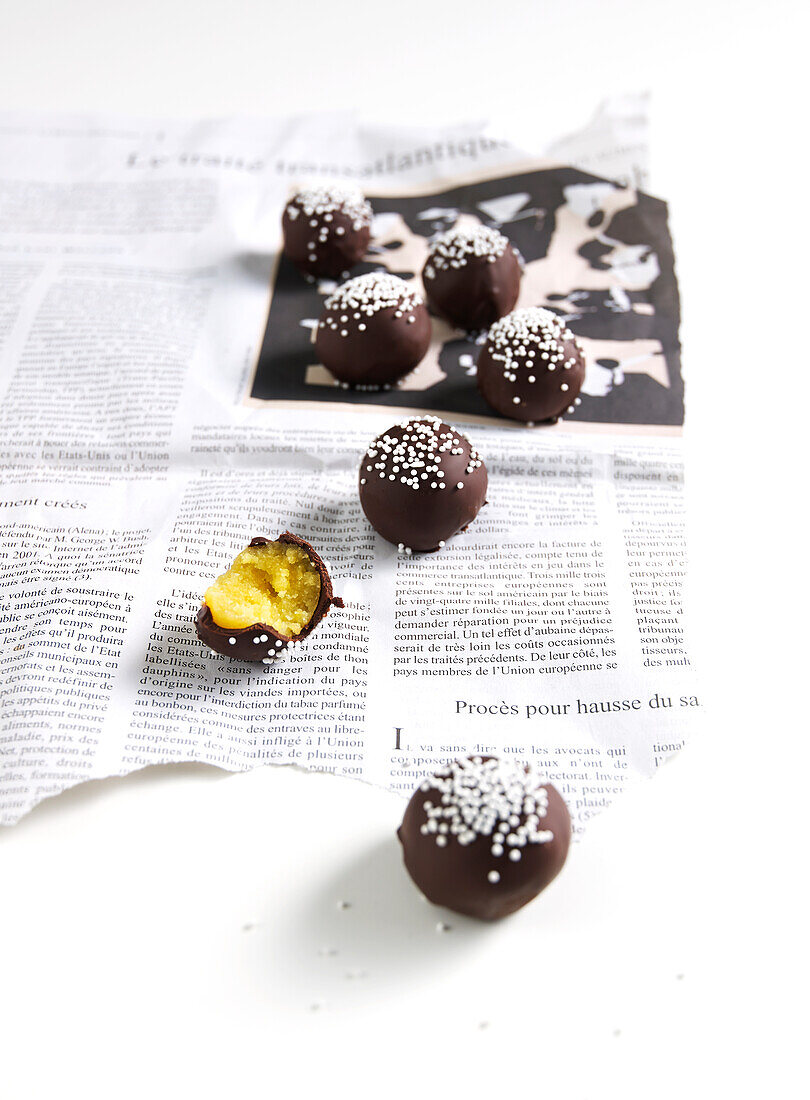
(162,405)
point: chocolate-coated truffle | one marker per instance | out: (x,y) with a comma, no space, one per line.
(326,229)
(472,276)
(373,330)
(421,482)
(484,836)
(531,366)
(275,593)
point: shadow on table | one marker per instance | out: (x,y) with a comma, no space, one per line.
(368,926)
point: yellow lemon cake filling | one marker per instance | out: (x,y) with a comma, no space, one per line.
(276,584)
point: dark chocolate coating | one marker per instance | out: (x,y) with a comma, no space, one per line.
(385,349)
(345,244)
(244,648)
(456,875)
(475,295)
(544,389)
(421,518)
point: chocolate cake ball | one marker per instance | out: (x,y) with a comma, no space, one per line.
(373,330)
(421,482)
(484,836)
(531,366)
(472,276)
(275,593)
(326,229)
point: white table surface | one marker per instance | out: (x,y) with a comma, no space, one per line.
(178,933)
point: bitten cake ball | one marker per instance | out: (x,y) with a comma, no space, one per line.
(373,330)
(276,592)
(531,366)
(421,482)
(326,229)
(472,276)
(484,836)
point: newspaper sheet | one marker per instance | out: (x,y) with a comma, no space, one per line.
(162,405)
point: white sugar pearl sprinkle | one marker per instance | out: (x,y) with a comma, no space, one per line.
(487,798)
(373,292)
(412,454)
(455,248)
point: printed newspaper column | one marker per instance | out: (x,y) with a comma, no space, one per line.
(309,706)
(71,577)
